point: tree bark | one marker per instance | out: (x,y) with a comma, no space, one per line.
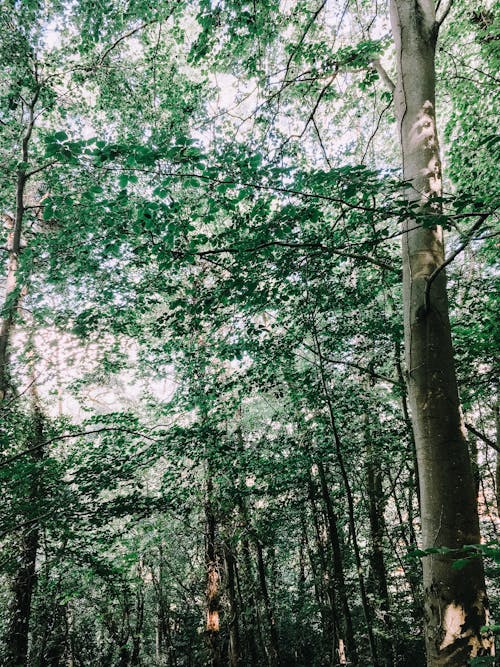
(24,581)
(12,288)
(497,476)
(338,568)
(274,654)
(455,600)
(376,503)
(213,567)
(234,630)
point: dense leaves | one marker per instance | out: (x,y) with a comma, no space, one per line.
(206,454)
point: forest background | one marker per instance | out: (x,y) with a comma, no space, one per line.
(230,431)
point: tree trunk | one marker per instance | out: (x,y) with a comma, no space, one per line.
(455,599)
(25,578)
(12,289)
(379,573)
(234,631)
(212,563)
(497,431)
(338,568)
(350,502)
(274,655)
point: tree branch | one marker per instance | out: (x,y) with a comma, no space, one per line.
(482,437)
(381,71)
(120,39)
(284,244)
(39,169)
(450,259)
(444,13)
(77,434)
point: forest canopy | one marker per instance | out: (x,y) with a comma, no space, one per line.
(249,406)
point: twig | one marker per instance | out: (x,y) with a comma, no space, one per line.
(482,437)
(450,259)
(382,72)
(77,434)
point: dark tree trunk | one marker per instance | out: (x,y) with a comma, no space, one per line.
(24,581)
(234,624)
(338,568)
(213,569)
(274,652)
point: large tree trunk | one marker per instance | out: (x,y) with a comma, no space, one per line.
(455,599)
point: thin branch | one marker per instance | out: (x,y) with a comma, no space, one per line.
(444,13)
(120,39)
(284,244)
(25,524)
(450,259)
(482,437)
(303,36)
(372,137)
(318,134)
(77,434)
(382,72)
(39,169)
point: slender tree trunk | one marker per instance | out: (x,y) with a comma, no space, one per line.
(328,580)
(212,563)
(324,599)
(455,600)
(497,479)
(251,627)
(12,289)
(350,502)
(11,299)
(406,416)
(338,568)
(234,624)
(379,573)
(138,627)
(274,653)
(24,581)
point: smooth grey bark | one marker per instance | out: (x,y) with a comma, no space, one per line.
(455,599)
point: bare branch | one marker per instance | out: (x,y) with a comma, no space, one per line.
(77,434)
(450,259)
(482,437)
(444,13)
(382,72)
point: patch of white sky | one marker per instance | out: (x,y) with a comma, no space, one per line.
(63,359)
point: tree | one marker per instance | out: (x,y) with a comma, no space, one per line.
(220,468)
(456,606)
